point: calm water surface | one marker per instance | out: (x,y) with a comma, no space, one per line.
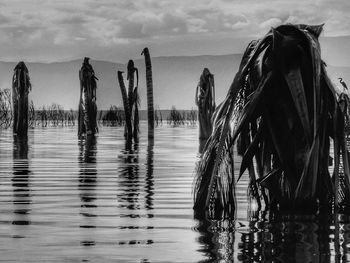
(99,200)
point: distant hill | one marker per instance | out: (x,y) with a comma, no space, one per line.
(175,80)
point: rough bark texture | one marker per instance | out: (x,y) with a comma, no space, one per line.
(205,100)
(130,78)
(20,90)
(87,104)
(128,132)
(149,83)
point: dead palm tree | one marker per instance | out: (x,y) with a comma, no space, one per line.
(149,83)
(20,89)
(127,111)
(136,113)
(134,100)
(87,103)
(282,112)
(205,100)
(130,101)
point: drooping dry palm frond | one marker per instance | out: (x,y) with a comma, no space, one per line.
(282,112)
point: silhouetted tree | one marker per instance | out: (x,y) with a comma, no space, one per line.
(205,100)
(20,90)
(149,84)
(87,103)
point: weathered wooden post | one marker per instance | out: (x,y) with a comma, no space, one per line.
(205,100)
(133,97)
(127,111)
(20,90)
(87,123)
(130,100)
(149,83)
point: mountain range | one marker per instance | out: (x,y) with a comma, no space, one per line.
(174,80)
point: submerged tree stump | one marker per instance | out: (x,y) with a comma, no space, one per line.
(149,83)
(205,100)
(130,101)
(134,99)
(20,90)
(127,112)
(87,123)
(282,113)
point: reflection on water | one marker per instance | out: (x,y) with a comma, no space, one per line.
(100,199)
(136,195)
(279,238)
(303,238)
(129,177)
(149,175)
(217,239)
(20,182)
(87,185)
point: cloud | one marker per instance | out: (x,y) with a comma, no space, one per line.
(272,22)
(94,25)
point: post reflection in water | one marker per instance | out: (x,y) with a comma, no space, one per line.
(217,238)
(20,182)
(136,190)
(129,177)
(282,238)
(149,177)
(279,238)
(87,184)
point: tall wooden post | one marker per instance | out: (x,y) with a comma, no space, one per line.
(133,97)
(149,84)
(127,111)
(87,123)
(20,90)
(205,100)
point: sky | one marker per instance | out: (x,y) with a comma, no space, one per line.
(116,30)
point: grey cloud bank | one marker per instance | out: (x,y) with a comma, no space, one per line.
(39,30)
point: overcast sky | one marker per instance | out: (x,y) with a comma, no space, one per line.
(116,30)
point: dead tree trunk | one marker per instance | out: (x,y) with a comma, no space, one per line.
(205,100)
(149,83)
(127,112)
(133,97)
(20,90)
(87,104)
(130,102)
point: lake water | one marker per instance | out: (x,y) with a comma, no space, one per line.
(69,200)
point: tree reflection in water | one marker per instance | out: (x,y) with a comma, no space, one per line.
(20,182)
(130,181)
(87,183)
(149,189)
(129,177)
(276,238)
(217,238)
(137,201)
(285,238)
